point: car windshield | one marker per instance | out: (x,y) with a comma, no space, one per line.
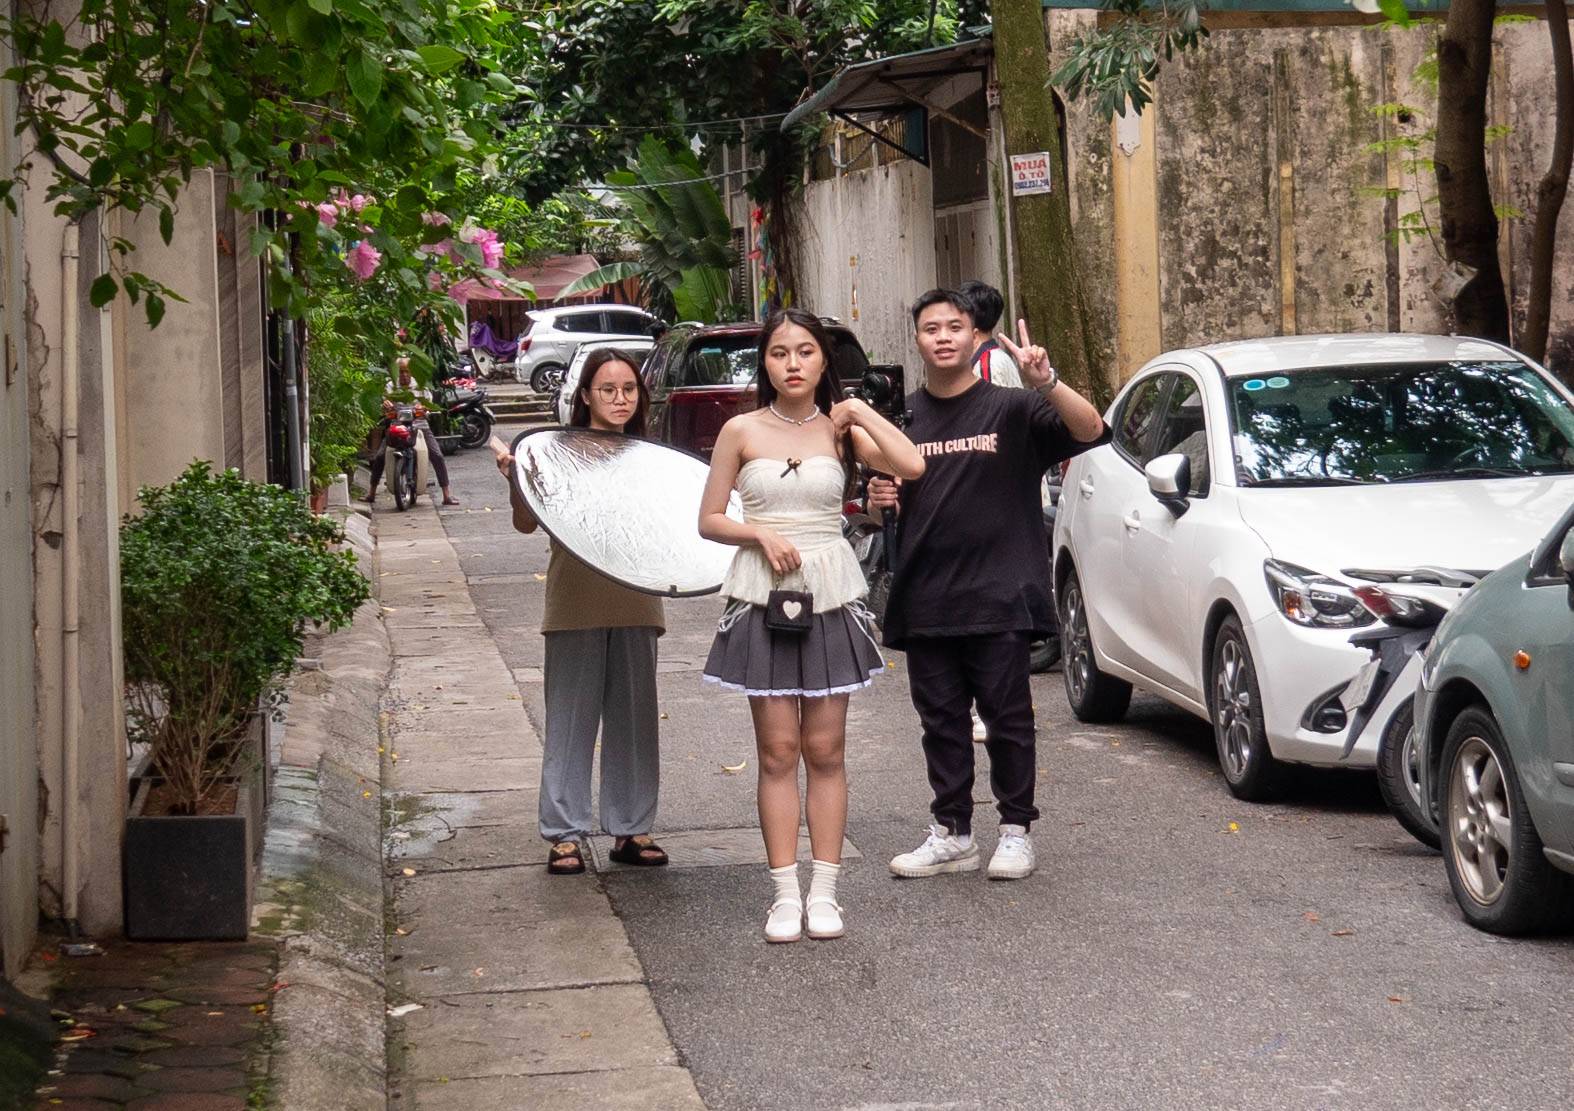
(1397,423)
(734,360)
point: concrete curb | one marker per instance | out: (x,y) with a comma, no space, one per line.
(321,889)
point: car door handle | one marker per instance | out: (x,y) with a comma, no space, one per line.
(1132,521)
(1086,487)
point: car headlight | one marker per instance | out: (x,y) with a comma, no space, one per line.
(1313,600)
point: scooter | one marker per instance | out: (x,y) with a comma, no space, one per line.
(405,455)
(1398,648)
(866,533)
(468,413)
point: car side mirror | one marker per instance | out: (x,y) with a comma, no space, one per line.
(1169,480)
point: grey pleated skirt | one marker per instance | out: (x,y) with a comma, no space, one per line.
(838,655)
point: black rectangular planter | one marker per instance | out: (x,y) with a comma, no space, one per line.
(190,878)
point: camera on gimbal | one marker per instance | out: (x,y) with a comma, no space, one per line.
(883,388)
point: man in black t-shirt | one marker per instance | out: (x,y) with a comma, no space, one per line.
(971,589)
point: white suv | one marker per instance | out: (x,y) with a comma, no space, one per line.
(1258,496)
(551,337)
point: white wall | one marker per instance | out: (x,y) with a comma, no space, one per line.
(869,251)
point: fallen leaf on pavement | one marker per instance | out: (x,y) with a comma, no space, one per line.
(1235,827)
(541,578)
(734,769)
(409,871)
(663,717)
(403,1009)
(1344,933)
(1311,916)
(1396,999)
(366,794)
(480,972)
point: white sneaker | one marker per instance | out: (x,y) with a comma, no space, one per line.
(980,732)
(1013,859)
(785,922)
(942,852)
(824,918)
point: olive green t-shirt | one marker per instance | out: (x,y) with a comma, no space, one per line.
(581,598)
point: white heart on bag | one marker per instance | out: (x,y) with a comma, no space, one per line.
(792,610)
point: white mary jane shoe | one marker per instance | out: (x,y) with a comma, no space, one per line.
(785,922)
(824,918)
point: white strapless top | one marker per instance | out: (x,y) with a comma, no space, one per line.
(804,505)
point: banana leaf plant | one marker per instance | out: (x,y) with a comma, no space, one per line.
(683,234)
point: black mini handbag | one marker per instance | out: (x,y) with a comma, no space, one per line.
(789,611)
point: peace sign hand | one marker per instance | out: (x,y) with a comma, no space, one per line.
(1032,359)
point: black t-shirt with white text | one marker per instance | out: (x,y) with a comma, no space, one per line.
(972,557)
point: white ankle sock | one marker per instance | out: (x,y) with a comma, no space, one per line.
(822,881)
(786,880)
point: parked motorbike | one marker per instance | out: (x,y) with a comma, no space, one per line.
(1045,654)
(404,455)
(1398,647)
(470,418)
(866,533)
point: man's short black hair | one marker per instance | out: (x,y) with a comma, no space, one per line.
(988,304)
(942,297)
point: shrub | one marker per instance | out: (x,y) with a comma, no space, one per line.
(345,393)
(218,577)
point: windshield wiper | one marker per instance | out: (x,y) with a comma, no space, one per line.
(1305,480)
(1464,472)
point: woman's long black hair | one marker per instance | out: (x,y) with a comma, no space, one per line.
(579,415)
(827,391)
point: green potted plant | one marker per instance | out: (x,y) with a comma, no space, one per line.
(218,579)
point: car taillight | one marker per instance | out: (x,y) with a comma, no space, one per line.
(524,344)
(398,432)
(1398,609)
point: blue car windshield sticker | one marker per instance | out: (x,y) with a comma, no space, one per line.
(1278,382)
(1252,385)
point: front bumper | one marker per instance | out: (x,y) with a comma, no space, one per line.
(1298,667)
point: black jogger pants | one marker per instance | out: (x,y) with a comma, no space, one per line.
(948,675)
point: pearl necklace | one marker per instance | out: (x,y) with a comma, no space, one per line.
(779,415)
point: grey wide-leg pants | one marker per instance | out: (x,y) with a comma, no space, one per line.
(600,680)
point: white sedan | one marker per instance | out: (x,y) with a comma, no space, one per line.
(1212,553)
(563,398)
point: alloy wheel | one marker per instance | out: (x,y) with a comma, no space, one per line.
(1410,761)
(1480,820)
(1079,645)
(1233,705)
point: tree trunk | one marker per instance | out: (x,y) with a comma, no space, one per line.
(1469,225)
(1549,195)
(1049,282)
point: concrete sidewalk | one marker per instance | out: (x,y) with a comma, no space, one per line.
(525,988)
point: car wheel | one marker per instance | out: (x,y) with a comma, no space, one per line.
(1044,654)
(1500,878)
(1093,695)
(1399,777)
(1239,733)
(545,376)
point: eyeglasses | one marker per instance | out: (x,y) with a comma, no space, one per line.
(609,393)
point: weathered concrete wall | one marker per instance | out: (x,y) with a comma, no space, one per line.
(172,381)
(869,253)
(100,799)
(1266,208)
(18,754)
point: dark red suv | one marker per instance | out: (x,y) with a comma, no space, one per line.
(701,375)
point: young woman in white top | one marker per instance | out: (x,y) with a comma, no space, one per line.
(791,461)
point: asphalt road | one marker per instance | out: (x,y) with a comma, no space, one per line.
(1175,949)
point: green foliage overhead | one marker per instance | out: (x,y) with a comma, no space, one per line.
(1117,63)
(683,233)
(218,577)
(298,101)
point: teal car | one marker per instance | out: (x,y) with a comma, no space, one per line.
(1495,741)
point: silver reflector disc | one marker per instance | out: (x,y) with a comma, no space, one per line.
(627,507)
